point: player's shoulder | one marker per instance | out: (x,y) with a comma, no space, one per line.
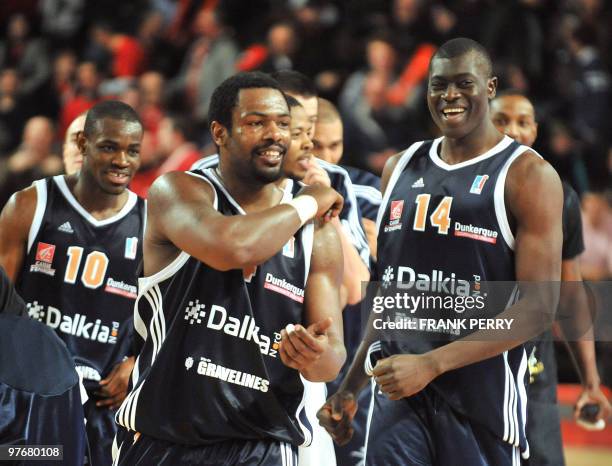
(177,186)
(210,161)
(529,165)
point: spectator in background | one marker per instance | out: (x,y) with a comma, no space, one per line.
(62,20)
(126,54)
(34,159)
(28,56)
(151,108)
(73,159)
(85,96)
(209,61)
(282,47)
(176,142)
(596,261)
(13,115)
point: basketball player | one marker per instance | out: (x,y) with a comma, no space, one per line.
(72,244)
(73,160)
(240,301)
(328,143)
(461,402)
(513,114)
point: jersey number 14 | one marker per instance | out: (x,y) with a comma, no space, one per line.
(440,218)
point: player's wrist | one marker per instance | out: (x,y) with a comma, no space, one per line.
(306,207)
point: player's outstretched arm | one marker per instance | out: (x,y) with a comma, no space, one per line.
(15,222)
(181,212)
(534,198)
(317,349)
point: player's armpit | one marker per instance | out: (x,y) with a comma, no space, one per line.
(15,222)
(322,301)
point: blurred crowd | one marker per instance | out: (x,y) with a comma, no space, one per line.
(370,57)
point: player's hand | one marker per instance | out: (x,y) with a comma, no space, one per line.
(403,375)
(315,174)
(329,201)
(337,414)
(300,347)
(114,387)
(593,396)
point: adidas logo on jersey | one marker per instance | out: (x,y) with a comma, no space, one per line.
(418,183)
(65,227)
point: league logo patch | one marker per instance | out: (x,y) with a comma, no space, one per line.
(395,215)
(478,184)
(289,248)
(44,259)
(131,247)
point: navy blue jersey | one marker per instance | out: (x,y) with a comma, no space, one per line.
(79,276)
(210,370)
(350,217)
(367,191)
(447,224)
(40,393)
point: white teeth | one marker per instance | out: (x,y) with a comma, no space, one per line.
(446,111)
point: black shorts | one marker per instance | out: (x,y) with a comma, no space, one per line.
(423,430)
(101,429)
(148,451)
(544,434)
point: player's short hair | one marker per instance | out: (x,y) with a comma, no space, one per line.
(113,109)
(295,82)
(511,92)
(292,101)
(327,112)
(461,46)
(225,96)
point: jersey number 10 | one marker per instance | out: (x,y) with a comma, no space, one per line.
(440,218)
(94,271)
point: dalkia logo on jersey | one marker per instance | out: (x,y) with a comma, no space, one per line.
(76,325)
(122,289)
(478,184)
(280,285)
(477,233)
(44,259)
(395,215)
(218,319)
(131,247)
(408,278)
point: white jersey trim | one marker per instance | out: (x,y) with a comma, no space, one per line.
(499,197)
(433,154)
(397,171)
(39,212)
(60,181)
(206,162)
(302,407)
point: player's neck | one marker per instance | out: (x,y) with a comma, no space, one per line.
(479,141)
(100,204)
(251,195)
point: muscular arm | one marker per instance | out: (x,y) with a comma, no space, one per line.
(322,302)
(181,216)
(15,222)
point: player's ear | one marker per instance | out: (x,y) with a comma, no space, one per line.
(81,142)
(492,87)
(219,133)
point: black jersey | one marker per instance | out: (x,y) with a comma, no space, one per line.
(447,225)
(350,216)
(210,370)
(367,191)
(80,274)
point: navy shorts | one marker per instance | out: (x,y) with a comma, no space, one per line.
(544,434)
(101,429)
(423,430)
(148,451)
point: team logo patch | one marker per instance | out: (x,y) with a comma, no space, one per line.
(478,184)
(289,248)
(131,247)
(44,259)
(395,215)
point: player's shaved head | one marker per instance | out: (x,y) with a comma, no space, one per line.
(112,109)
(328,113)
(463,46)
